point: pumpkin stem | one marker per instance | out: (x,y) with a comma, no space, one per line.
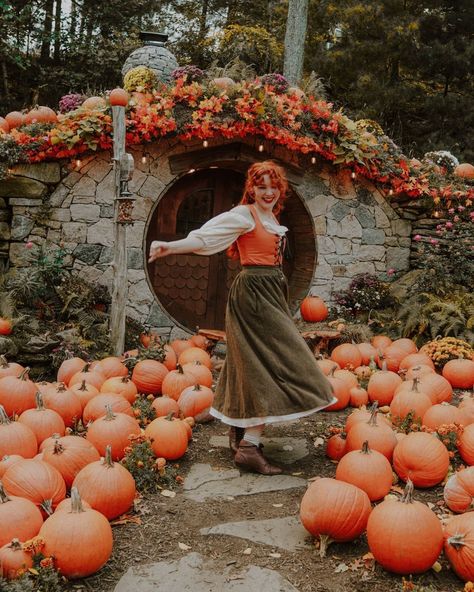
(47,506)
(197,387)
(76,501)
(39,401)
(324,541)
(3,495)
(457,540)
(61,387)
(125,379)
(108,462)
(365,448)
(15,545)
(407,497)
(3,362)
(416,382)
(24,374)
(384,365)
(86,367)
(4,419)
(83,386)
(373,416)
(372,364)
(179,369)
(109,416)
(58,447)
(170,416)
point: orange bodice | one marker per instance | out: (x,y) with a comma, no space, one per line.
(259,246)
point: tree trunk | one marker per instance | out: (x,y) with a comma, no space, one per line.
(73,20)
(6,85)
(47,30)
(296,25)
(57,31)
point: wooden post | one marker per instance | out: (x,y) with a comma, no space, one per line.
(119,263)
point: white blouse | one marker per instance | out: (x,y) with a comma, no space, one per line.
(220,232)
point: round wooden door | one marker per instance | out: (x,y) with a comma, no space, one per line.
(193,288)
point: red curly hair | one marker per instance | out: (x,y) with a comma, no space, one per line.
(255,176)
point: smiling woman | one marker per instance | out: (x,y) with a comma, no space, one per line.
(255,387)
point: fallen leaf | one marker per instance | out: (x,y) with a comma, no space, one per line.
(341,568)
(184,547)
(247,551)
(126,520)
(277,505)
(168,493)
(436,567)
(275,555)
(318,442)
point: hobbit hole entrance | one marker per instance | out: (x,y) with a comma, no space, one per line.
(193,289)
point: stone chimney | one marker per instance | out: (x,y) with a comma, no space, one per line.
(153,55)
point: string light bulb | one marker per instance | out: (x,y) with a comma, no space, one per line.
(192,171)
(313,160)
(353,175)
(205,143)
(260,148)
(390,192)
(78,163)
(436,214)
(144,159)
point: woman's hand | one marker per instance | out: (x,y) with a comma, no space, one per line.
(159,249)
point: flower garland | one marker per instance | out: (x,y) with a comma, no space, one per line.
(194,110)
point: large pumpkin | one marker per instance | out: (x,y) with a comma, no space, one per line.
(168,437)
(107,486)
(422,458)
(19,518)
(459,545)
(367,469)
(69,455)
(460,373)
(313,309)
(16,437)
(382,386)
(113,429)
(347,355)
(334,511)
(17,393)
(404,535)
(464,170)
(80,540)
(458,492)
(148,376)
(378,434)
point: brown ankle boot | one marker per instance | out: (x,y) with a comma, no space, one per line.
(250,457)
(235,436)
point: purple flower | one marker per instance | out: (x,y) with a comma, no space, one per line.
(70,102)
(417,237)
(449,224)
(451,211)
(434,241)
(278,81)
(461,208)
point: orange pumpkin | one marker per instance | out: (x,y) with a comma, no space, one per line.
(422,458)
(7,460)
(466,444)
(85,392)
(194,354)
(341,392)
(14,561)
(176,381)
(327,366)
(179,345)
(382,385)
(37,481)
(5,326)
(409,402)
(440,414)
(121,385)
(458,545)
(336,446)
(119,97)
(68,368)
(367,469)
(406,344)
(107,486)
(364,415)
(17,393)
(404,535)
(464,170)
(391,357)
(148,376)
(381,342)
(437,387)
(112,366)
(347,355)
(359,396)
(415,359)
(97,406)
(459,373)
(195,400)
(368,351)
(113,429)
(334,511)
(16,438)
(168,437)
(94,104)
(4,126)
(42,422)
(313,309)
(19,518)
(80,540)
(15,119)
(458,492)
(379,436)
(202,374)
(65,402)
(9,368)
(69,455)
(163,406)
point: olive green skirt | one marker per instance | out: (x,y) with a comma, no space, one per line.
(269,375)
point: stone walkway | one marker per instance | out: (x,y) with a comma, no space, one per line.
(203,484)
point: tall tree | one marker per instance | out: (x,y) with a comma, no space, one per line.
(296,25)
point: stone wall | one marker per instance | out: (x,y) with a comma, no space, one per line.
(356,228)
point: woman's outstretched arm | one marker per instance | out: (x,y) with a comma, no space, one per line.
(185,245)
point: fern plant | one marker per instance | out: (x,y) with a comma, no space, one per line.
(424,316)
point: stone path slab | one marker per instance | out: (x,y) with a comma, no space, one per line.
(279,450)
(286,533)
(194,573)
(204,482)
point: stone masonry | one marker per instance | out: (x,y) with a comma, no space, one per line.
(356,229)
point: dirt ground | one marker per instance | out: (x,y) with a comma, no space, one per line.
(165,522)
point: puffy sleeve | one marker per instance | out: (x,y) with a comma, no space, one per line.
(221,231)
